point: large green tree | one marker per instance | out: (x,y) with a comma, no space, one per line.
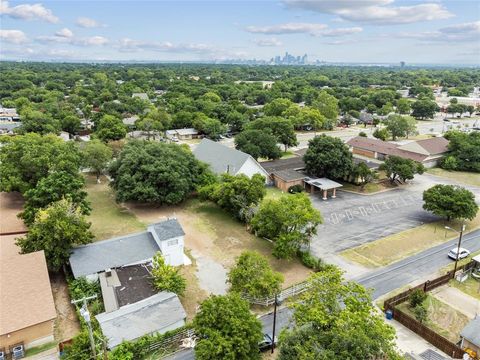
(397,167)
(465,149)
(424,109)
(109,128)
(26,159)
(96,156)
(336,320)
(258,143)
(328,157)
(450,202)
(281,128)
(154,172)
(226,329)
(38,122)
(166,277)
(401,126)
(56,230)
(327,105)
(252,275)
(236,194)
(289,221)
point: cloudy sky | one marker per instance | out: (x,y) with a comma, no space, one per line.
(431,31)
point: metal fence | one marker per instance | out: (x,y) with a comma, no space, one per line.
(172,344)
(284,294)
(428,334)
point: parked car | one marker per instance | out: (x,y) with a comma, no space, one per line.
(266,343)
(463,253)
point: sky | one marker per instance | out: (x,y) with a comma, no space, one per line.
(353,31)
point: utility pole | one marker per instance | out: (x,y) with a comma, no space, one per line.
(458,246)
(278,302)
(86,316)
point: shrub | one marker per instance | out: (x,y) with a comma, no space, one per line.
(167,277)
(420,312)
(310,261)
(449,163)
(294,189)
(362,134)
(417,297)
(81,287)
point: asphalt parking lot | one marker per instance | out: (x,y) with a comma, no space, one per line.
(351,219)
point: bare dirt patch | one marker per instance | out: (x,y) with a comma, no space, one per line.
(66,324)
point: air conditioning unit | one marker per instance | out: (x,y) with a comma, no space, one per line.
(18,352)
(108,272)
(2,355)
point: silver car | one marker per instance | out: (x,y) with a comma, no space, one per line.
(463,253)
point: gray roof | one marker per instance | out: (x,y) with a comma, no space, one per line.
(167,229)
(322,183)
(289,175)
(221,158)
(158,313)
(124,250)
(471,332)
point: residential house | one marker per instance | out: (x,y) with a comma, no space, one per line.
(223,159)
(27,310)
(142,96)
(130,121)
(166,236)
(470,336)
(182,134)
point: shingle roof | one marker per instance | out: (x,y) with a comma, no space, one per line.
(293,163)
(167,229)
(26,296)
(384,147)
(96,257)
(221,158)
(289,175)
(158,313)
(434,146)
(471,332)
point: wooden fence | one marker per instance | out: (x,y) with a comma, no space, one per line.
(284,294)
(417,327)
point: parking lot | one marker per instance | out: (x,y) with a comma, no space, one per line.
(351,219)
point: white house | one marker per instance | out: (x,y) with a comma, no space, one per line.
(223,159)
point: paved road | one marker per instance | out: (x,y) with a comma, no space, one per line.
(416,267)
(284,316)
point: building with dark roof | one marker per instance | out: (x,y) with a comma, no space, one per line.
(471,335)
(223,159)
(166,236)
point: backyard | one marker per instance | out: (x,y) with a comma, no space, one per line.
(213,238)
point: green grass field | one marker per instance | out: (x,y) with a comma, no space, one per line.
(462,177)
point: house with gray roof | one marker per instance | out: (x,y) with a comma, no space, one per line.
(471,335)
(158,313)
(223,159)
(166,236)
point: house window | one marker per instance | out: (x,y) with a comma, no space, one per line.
(172,242)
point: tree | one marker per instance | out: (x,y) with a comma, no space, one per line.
(281,128)
(403,106)
(277,107)
(424,109)
(226,329)
(381,134)
(55,186)
(110,128)
(290,222)
(213,128)
(450,202)
(236,194)
(401,168)
(26,159)
(252,275)
(154,172)
(335,320)
(258,143)
(465,149)
(363,174)
(327,156)
(327,105)
(96,156)
(38,122)
(167,277)
(70,124)
(401,126)
(56,230)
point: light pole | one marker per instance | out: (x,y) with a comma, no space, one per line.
(462,229)
(278,302)
(86,316)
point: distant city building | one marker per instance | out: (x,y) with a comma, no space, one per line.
(289,59)
(402,64)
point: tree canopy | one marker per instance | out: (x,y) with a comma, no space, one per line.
(327,156)
(397,167)
(450,202)
(96,156)
(56,229)
(252,275)
(465,149)
(226,329)
(156,172)
(167,277)
(258,143)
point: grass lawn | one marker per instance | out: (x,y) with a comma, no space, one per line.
(274,193)
(469,286)
(441,318)
(463,177)
(406,243)
(108,218)
(369,188)
(39,349)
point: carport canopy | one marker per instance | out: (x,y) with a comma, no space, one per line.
(323,184)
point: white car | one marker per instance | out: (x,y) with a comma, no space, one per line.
(463,253)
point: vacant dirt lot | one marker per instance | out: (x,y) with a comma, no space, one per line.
(66,325)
